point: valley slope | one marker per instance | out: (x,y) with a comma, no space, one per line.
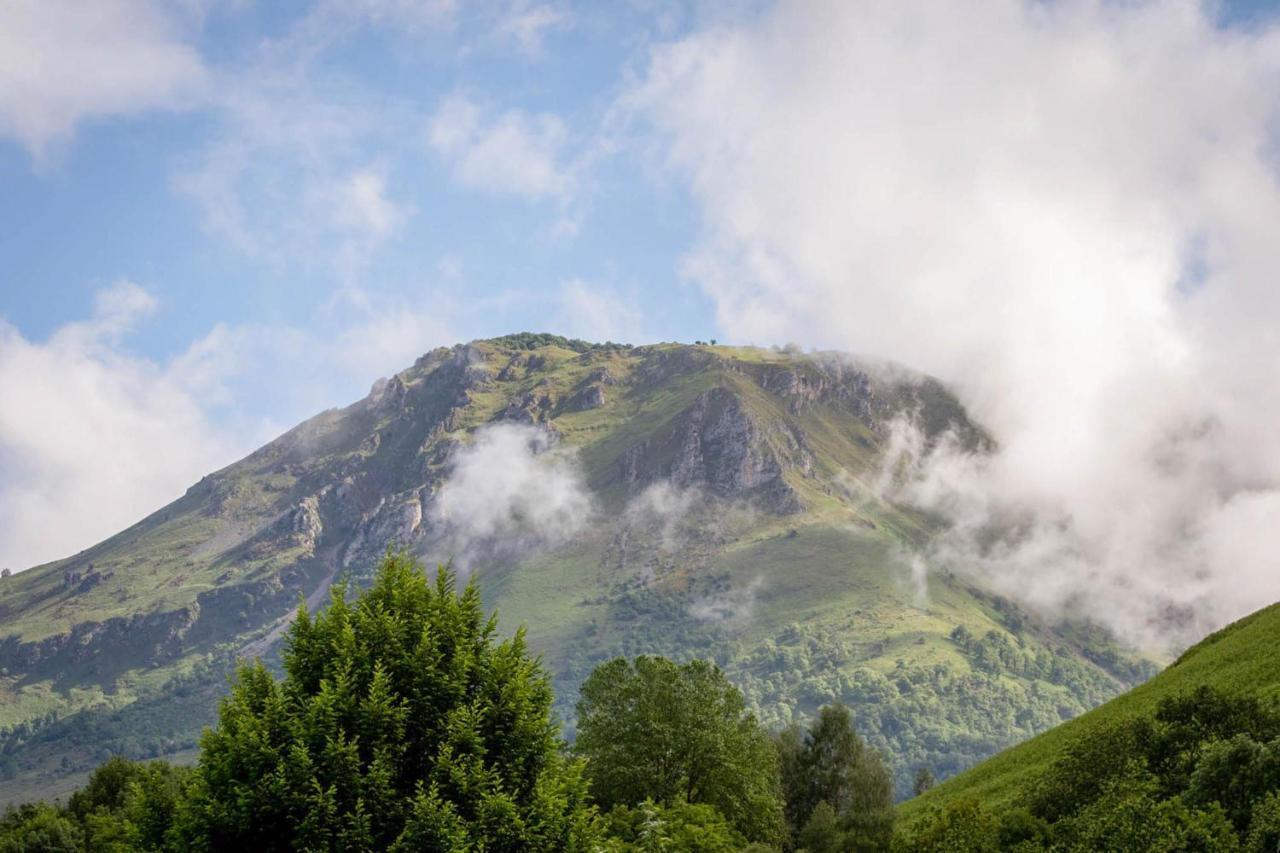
(1239,660)
(732,511)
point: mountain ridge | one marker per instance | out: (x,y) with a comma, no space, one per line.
(733,512)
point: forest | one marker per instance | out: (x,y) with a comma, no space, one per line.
(405,721)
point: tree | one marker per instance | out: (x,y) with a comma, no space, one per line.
(650,728)
(401,723)
(923,781)
(828,763)
(962,827)
(686,828)
(39,828)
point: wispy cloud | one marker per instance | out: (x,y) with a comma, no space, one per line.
(507,152)
(64,63)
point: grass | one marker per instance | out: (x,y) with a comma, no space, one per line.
(1241,659)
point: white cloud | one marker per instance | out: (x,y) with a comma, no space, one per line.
(287,176)
(511,487)
(508,153)
(92,438)
(1071,211)
(62,63)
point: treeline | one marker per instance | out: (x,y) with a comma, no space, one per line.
(1202,773)
(941,715)
(404,722)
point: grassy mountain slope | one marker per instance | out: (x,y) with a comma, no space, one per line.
(1241,659)
(735,516)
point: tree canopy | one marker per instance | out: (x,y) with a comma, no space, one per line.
(839,794)
(654,729)
(401,723)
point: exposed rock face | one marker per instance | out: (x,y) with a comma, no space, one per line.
(588,397)
(714,443)
(826,382)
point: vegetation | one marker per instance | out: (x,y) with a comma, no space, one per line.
(1238,661)
(402,721)
(1202,773)
(839,794)
(654,731)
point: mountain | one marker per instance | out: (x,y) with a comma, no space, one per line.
(708,501)
(1239,661)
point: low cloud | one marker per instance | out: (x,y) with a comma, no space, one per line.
(511,488)
(728,605)
(663,507)
(1067,210)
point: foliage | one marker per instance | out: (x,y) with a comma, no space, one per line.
(1191,776)
(651,728)
(537,340)
(1239,662)
(827,768)
(684,827)
(401,723)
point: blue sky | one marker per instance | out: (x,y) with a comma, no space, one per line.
(221,203)
(218,217)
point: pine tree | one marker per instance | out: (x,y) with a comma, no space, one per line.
(402,722)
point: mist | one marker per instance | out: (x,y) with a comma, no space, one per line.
(1070,212)
(511,488)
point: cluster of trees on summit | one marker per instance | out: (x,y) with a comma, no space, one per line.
(403,721)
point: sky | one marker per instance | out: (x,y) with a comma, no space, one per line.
(218,217)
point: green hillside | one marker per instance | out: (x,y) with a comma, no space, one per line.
(733,515)
(1242,659)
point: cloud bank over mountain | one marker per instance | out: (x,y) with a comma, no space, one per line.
(1070,211)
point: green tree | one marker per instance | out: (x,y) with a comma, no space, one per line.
(922,781)
(39,828)
(401,723)
(650,728)
(829,763)
(1235,773)
(1264,828)
(963,827)
(682,828)
(1129,815)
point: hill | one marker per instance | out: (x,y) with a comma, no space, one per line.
(691,501)
(1239,660)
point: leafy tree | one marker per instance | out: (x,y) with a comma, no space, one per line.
(39,828)
(828,763)
(822,832)
(923,781)
(1130,816)
(1235,773)
(650,728)
(683,827)
(964,826)
(401,723)
(1264,828)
